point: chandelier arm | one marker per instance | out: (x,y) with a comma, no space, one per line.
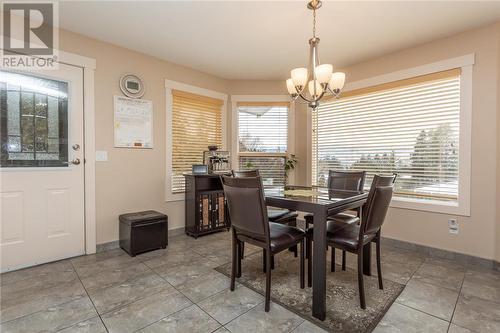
(306,99)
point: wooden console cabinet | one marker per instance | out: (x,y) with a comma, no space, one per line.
(206,209)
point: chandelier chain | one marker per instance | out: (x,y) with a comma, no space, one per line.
(314,23)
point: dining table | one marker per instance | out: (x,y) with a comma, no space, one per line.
(321,203)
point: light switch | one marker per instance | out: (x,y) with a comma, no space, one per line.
(101,155)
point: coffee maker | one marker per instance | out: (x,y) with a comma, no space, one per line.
(218,161)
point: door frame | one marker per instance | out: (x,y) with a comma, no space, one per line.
(88,65)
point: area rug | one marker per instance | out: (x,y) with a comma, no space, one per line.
(343,313)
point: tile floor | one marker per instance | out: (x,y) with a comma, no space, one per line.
(177,290)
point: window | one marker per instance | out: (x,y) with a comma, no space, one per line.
(263,139)
(410,127)
(34,125)
(196,124)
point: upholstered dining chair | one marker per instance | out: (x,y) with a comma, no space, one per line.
(354,237)
(343,181)
(278,215)
(250,224)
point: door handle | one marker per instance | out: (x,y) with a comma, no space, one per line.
(75,161)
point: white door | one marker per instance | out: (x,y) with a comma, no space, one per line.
(41,166)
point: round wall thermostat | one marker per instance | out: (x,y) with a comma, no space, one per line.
(132,86)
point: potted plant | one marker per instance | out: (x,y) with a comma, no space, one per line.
(290,163)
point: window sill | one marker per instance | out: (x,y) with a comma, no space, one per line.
(432,206)
(173,197)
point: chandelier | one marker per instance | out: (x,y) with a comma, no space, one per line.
(319,79)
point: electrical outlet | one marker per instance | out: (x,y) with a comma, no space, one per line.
(453,226)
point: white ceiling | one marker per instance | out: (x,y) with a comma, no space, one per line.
(263,39)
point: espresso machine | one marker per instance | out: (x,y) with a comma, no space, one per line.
(218,161)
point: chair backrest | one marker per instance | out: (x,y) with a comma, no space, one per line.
(346,180)
(379,180)
(247,206)
(245,173)
(377,203)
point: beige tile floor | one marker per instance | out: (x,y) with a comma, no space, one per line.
(177,290)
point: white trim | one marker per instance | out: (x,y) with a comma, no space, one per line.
(89,155)
(169,86)
(262,98)
(466,62)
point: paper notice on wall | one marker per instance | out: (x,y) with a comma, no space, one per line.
(133,123)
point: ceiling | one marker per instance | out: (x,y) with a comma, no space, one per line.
(265,39)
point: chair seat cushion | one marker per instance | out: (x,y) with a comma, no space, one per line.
(346,237)
(277,213)
(283,236)
(344,218)
(340,217)
(331,227)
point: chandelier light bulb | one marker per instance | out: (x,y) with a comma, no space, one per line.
(337,81)
(290,86)
(318,88)
(323,73)
(299,76)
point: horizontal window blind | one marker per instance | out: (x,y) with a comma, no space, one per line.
(196,124)
(263,138)
(271,168)
(411,130)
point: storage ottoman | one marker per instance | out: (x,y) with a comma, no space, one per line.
(143,231)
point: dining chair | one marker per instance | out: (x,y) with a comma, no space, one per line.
(250,224)
(278,215)
(343,181)
(354,237)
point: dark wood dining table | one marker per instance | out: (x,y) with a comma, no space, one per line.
(320,202)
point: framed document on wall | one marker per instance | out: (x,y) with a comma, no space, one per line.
(133,123)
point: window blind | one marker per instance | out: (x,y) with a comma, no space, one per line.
(263,138)
(410,128)
(196,124)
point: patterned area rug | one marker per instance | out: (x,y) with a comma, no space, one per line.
(342,301)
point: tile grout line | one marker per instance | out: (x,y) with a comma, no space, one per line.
(196,303)
(88,295)
(180,292)
(458,298)
(44,309)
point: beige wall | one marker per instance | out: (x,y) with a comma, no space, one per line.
(135,179)
(131,180)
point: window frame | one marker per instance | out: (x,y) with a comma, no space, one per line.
(174,85)
(465,63)
(235,153)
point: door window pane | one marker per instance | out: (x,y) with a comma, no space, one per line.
(34,121)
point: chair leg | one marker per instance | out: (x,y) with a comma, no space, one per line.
(242,250)
(361,284)
(264,260)
(293,223)
(333,259)
(272,262)
(343,260)
(302,250)
(233,262)
(379,265)
(238,259)
(309,262)
(268,281)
